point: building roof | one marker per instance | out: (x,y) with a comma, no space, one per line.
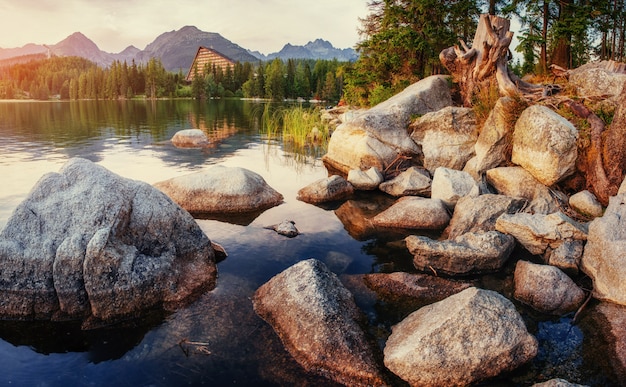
(204,56)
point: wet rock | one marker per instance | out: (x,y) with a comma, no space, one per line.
(494,141)
(586,203)
(471,336)
(423,288)
(544,144)
(603,259)
(538,232)
(318,322)
(333,188)
(566,256)
(546,289)
(605,328)
(557,383)
(376,136)
(474,214)
(88,244)
(190,138)
(221,190)
(469,253)
(412,181)
(365,180)
(446,136)
(433,214)
(450,185)
(286,228)
(517,182)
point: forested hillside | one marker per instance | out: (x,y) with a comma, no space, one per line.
(77,78)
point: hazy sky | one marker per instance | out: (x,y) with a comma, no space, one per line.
(262,25)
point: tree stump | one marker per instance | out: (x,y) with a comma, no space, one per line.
(485,64)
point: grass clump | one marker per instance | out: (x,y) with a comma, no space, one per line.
(301,128)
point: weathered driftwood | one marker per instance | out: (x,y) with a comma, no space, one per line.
(486,62)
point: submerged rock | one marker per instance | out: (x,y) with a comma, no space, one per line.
(546,289)
(286,228)
(221,190)
(190,138)
(471,336)
(87,243)
(318,322)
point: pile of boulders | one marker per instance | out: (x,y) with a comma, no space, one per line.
(486,190)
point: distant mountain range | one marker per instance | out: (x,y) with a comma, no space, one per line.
(176,50)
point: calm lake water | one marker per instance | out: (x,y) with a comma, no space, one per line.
(217,340)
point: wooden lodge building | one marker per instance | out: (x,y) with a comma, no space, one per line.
(208,56)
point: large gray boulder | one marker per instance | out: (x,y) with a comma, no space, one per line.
(546,288)
(318,323)
(471,336)
(446,137)
(517,182)
(605,252)
(375,137)
(87,243)
(414,212)
(538,232)
(469,253)
(479,213)
(221,190)
(545,144)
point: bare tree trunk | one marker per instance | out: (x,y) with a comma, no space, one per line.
(486,62)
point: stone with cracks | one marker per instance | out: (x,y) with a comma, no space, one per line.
(450,185)
(473,214)
(414,212)
(319,324)
(221,190)
(604,259)
(446,137)
(365,180)
(545,144)
(471,336)
(517,182)
(88,244)
(546,289)
(538,233)
(469,253)
(412,181)
(377,136)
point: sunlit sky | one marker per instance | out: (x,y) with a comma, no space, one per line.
(258,25)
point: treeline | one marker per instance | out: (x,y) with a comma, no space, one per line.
(276,80)
(76,78)
(402,39)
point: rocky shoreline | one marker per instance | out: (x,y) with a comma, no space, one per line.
(88,245)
